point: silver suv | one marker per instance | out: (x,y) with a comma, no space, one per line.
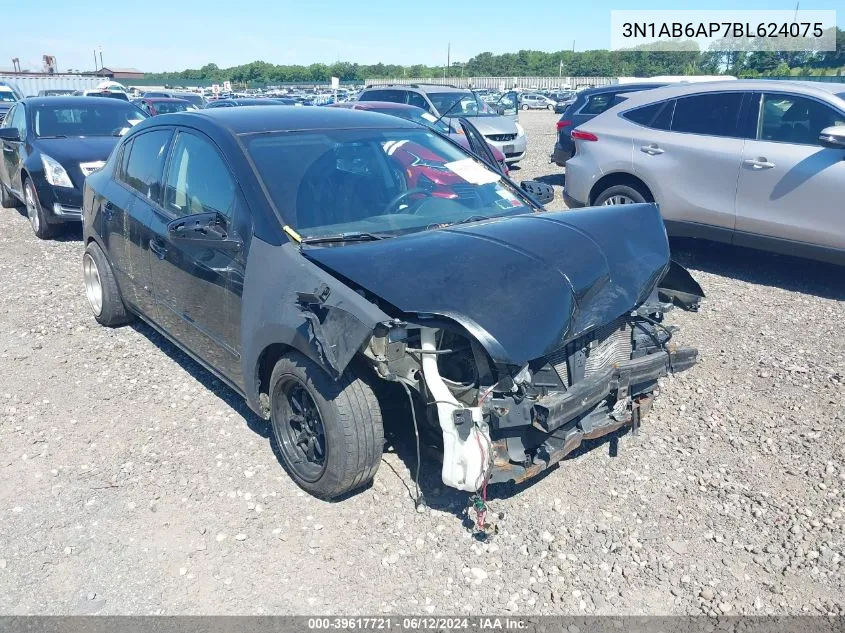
(753,162)
(497,122)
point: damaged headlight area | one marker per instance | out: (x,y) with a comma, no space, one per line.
(508,423)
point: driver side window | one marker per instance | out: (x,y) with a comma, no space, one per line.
(793,119)
(198,181)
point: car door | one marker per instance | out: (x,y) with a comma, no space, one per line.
(13,151)
(126,215)
(790,187)
(690,158)
(198,255)
(7,149)
(508,105)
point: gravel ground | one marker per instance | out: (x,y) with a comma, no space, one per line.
(134,482)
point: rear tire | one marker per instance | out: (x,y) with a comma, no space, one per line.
(7,200)
(35,213)
(329,432)
(619,194)
(101,288)
(524,106)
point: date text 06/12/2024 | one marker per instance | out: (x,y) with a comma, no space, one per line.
(417,623)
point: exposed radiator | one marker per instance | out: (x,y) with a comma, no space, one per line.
(609,344)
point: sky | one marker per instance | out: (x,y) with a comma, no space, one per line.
(158,35)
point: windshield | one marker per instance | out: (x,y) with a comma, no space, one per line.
(7,96)
(459,104)
(417,115)
(383,181)
(166,107)
(112,118)
(194,99)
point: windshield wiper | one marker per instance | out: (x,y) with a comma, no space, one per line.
(472,218)
(355,236)
(53,136)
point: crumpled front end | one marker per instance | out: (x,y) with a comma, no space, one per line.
(595,385)
(501,423)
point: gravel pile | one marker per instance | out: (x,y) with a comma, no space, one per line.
(134,482)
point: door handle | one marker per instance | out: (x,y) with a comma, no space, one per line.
(108,210)
(758,163)
(158,248)
(652,149)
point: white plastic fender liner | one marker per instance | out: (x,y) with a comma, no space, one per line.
(464,461)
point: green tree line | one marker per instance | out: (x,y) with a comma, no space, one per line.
(636,63)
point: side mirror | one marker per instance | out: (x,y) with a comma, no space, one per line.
(833,137)
(203,229)
(9,134)
(540,191)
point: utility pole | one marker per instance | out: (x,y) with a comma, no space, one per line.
(448,57)
(95,60)
(101,58)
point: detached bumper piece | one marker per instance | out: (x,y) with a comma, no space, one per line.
(589,409)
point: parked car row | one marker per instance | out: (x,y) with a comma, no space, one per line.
(498,124)
(409,267)
(750,162)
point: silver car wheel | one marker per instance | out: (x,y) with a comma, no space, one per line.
(618,199)
(32,207)
(93,286)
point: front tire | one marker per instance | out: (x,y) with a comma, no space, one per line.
(329,432)
(101,288)
(37,219)
(524,106)
(619,194)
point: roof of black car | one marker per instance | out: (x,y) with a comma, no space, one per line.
(248,120)
(623,88)
(71,101)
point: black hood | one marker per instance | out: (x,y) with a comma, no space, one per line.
(73,150)
(523,286)
(77,149)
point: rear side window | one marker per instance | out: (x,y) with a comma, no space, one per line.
(712,114)
(145,163)
(597,104)
(395,96)
(644,115)
(657,116)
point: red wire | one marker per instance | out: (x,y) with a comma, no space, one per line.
(482,513)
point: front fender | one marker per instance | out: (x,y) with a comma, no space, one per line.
(288,300)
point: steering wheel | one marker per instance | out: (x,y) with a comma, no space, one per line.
(394,202)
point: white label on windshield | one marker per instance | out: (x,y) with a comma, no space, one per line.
(134,122)
(472,172)
(428,117)
(508,199)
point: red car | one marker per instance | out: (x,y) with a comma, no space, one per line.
(163,105)
(417,115)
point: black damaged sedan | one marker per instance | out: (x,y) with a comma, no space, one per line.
(316,259)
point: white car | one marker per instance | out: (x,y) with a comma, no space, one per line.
(531,101)
(756,163)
